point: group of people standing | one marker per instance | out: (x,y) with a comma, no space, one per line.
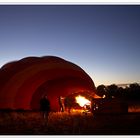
(45,105)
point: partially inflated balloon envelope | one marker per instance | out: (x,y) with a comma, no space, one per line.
(24,82)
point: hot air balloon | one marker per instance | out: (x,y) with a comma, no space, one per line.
(24,82)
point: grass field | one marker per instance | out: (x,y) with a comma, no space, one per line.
(32,123)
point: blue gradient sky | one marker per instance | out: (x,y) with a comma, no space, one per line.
(103,40)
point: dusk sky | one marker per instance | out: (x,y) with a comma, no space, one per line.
(103,40)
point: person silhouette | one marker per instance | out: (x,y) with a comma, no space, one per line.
(61,104)
(45,106)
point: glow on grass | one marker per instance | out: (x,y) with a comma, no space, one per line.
(82,100)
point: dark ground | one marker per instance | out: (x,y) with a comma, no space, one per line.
(32,123)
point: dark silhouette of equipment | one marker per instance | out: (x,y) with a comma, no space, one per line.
(109,106)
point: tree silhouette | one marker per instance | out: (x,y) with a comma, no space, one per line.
(112,91)
(134,91)
(101,90)
(131,92)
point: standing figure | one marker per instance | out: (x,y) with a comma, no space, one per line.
(68,103)
(61,104)
(45,106)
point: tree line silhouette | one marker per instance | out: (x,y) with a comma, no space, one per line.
(131,92)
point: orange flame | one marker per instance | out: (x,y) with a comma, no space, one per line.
(82,100)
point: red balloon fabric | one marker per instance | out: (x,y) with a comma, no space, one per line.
(23,82)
